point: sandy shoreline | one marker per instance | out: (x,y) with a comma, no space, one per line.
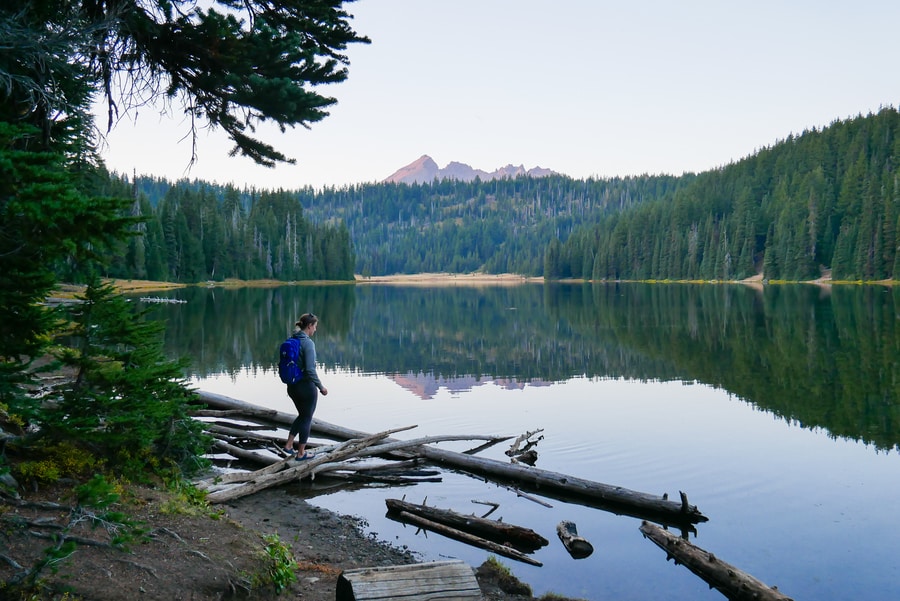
(449,279)
(475,279)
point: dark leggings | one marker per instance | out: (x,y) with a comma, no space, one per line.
(305,395)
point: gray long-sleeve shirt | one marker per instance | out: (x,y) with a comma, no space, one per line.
(308,355)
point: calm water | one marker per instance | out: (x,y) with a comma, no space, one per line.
(776,411)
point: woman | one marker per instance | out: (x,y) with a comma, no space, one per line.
(304,392)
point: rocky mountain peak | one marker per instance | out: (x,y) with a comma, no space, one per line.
(424,170)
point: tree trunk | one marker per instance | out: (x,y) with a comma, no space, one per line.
(727,579)
(577,546)
(477,541)
(523,539)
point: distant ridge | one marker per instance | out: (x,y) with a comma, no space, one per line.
(424,170)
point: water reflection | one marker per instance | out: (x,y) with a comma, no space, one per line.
(816,357)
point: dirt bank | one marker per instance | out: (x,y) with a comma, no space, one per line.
(205,556)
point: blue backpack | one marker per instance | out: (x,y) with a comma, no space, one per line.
(289,369)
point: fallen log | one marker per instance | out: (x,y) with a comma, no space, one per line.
(268,477)
(277,473)
(404,467)
(376,478)
(727,579)
(238,452)
(417,582)
(249,410)
(504,550)
(215,429)
(387,448)
(523,539)
(611,498)
(370,449)
(577,546)
(389,473)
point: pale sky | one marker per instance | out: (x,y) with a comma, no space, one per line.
(583,87)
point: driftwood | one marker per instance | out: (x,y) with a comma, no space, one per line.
(385,474)
(602,496)
(247,428)
(267,477)
(577,546)
(238,452)
(494,506)
(727,579)
(516,447)
(504,550)
(281,471)
(324,460)
(525,454)
(250,410)
(417,582)
(383,478)
(523,539)
(220,430)
(409,467)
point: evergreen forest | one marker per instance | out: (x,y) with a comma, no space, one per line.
(198,232)
(822,202)
(501,226)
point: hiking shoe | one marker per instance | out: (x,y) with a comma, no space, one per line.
(303,457)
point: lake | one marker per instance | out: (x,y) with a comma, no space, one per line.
(776,410)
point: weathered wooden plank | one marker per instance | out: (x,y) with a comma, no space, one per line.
(727,579)
(440,580)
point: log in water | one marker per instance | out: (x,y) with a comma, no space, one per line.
(603,496)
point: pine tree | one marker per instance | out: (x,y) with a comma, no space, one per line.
(47,223)
(771,270)
(126,402)
(552,260)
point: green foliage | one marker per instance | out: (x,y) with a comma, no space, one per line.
(828,198)
(126,401)
(281,563)
(185,498)
(825,199)
(199,232)
(61,460)
(448,226)
(500,226)
(43,471)
(47,222)
(99,494)
(235,64)
(504,578)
